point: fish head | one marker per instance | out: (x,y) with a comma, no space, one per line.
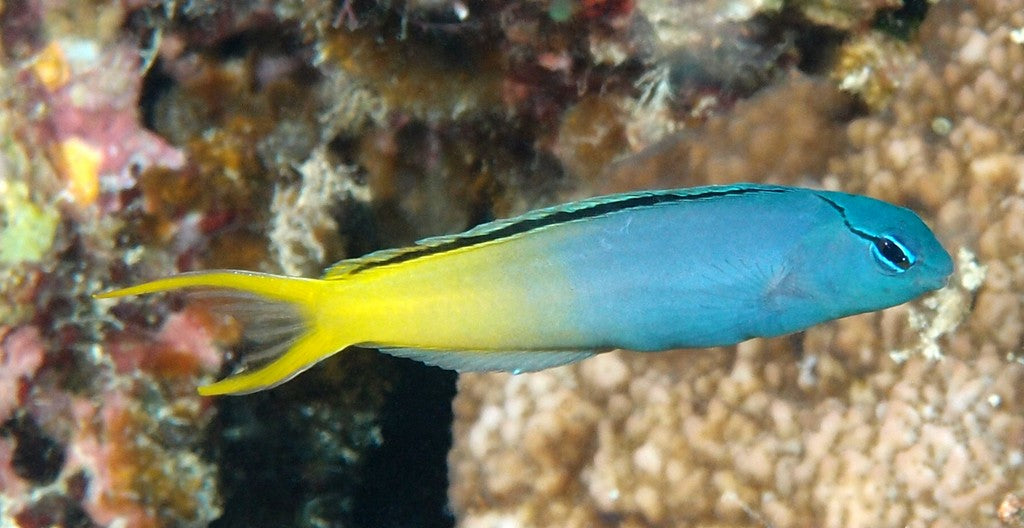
(876,255)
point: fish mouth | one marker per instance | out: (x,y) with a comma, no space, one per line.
(935,283)
(937,274)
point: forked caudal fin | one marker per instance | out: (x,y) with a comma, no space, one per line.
(283,326)
(279,315)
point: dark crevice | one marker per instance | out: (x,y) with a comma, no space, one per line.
(155,85)
(294,455)
(405,479)
(902,22)
(817,46)
(37,457)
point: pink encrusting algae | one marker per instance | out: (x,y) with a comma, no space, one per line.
(21,354)
(95,85)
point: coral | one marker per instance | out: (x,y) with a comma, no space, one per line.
(781,135)
(134,478)
(407,75)
(1011,511)
(592,135)
(303,223)
(88,438)
(21,355)
(81,86)
(751,438)
(908,417)
(113,458)
(870,66)
(80,163)
(27,230)
(844,14)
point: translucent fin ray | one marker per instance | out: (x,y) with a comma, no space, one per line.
(281,331)
(307,351)
(488,360)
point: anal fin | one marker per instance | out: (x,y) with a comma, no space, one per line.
(492,360)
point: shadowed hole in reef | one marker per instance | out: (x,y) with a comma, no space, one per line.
(37,458)
(293,455)
(358,441)
(405,479)
(903,21)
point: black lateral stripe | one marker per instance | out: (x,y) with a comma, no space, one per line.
(559,216)
(842,212)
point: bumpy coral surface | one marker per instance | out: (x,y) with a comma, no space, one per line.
(92,431)
(908,417)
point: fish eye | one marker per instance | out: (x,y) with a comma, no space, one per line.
(891,254)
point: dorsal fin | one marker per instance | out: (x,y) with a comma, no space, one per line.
(478,234)
(540,219)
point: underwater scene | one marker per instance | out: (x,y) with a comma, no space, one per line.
(730,145)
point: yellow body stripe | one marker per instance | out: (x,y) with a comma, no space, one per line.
(481,297)
(475,298)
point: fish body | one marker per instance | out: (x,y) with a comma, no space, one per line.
(644,271)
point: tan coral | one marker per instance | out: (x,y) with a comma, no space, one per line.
(847,425)
(780,135)
(694,436)
(843,14)
(870,66)
(302,230)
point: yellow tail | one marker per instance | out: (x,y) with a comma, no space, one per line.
(282,309)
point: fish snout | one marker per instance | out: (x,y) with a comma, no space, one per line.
(936,272)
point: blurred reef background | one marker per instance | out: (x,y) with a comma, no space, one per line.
(140,138)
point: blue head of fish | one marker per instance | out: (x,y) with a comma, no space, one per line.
(885,255)
(858,255)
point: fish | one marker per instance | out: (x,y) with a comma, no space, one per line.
(644,271)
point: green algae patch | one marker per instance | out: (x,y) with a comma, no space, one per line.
(26,230)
